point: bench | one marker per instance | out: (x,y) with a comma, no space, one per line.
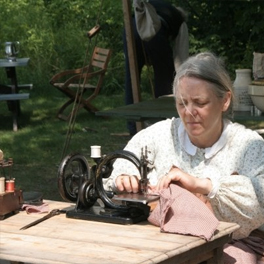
(15,110)
(14,97)
(28,86)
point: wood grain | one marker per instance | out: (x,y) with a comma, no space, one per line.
(64,240)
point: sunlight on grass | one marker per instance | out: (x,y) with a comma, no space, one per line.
(38,145)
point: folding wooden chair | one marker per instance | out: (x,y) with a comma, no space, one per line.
(75,83)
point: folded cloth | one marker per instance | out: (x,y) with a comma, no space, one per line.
(181,212)
(39,209)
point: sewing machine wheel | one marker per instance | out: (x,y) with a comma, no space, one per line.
(86,194)
(73,171)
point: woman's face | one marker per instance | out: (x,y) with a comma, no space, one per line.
(200,110)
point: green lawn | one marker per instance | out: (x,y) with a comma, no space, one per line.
(39,145)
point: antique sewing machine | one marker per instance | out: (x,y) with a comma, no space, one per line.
(79,183)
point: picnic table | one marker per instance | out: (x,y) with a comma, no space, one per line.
(161,108)
(10,93)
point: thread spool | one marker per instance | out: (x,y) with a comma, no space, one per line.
(10,185)
(95,152)
(2,185)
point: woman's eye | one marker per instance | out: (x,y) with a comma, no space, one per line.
(201,103)
(180,104)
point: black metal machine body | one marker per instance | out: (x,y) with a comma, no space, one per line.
(79,183)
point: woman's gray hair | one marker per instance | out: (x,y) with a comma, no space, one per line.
(206,66)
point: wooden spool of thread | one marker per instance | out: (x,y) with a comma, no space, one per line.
(10,185)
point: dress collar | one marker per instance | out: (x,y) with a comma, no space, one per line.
(209,152)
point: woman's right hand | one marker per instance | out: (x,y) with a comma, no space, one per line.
(127,183)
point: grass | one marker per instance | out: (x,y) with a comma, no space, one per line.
(38,146)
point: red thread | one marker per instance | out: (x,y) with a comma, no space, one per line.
(10,186)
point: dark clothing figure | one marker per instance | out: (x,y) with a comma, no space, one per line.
(157,52)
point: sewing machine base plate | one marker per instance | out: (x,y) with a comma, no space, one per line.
(107,215)
(136,197)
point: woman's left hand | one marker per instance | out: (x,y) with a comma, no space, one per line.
(186,181)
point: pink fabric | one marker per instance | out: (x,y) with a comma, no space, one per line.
(179,211)
(239,253)
(43,208)
(253,251)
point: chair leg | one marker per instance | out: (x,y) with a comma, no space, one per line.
(60,114)
(89,107)
(80,103)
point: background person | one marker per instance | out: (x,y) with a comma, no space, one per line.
(164,51)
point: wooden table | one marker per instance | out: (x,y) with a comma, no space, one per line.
(64,240)
(160,108)
(13,89)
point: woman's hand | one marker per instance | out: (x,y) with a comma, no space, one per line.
(127,183)
(186,181)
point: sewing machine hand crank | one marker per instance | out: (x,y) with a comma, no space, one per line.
(49,215)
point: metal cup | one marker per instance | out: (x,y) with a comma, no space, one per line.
(11,50)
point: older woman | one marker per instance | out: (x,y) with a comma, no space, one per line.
(203,151)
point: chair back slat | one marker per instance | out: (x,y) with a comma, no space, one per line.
(100,58)
(98,64)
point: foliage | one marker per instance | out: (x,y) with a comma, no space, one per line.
(72,20)
(231,29)
(27,22)
(54,34)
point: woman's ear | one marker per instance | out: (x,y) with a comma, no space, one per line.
(226,101)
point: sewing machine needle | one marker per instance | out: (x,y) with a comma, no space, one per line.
(49,215)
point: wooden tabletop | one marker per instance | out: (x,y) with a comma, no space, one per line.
(64,240)
(161,108)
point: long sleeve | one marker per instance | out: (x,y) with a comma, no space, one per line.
(240,198)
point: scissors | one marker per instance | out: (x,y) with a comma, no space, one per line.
(49,215)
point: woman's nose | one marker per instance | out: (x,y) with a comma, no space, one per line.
(191,110)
